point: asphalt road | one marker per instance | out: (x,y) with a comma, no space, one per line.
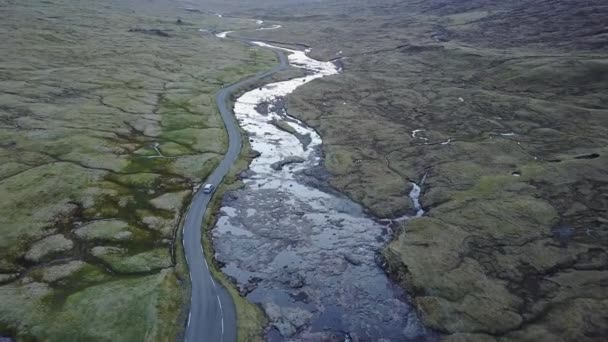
(212,314)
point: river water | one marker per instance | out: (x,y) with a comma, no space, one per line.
(307,255)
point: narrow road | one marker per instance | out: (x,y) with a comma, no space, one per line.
(212,314)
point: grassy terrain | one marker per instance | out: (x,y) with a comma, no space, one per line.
(107,121)
(514,245)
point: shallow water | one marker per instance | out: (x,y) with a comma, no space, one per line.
(308,256)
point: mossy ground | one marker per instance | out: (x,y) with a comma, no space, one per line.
(102,123)
(510,103)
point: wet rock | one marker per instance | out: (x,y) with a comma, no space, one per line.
(563,234)
(254,154)
(292,278)
(316,177)
(351,259)
(317,172)
(263,107)
(337,222)
(248,287)
(300,297)
(287,320)
(297,282)
(246,174)
(289,160)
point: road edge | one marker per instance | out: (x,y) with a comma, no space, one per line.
(243,308)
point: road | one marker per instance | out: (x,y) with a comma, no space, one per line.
(212,314)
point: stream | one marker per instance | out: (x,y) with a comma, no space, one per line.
(307,255)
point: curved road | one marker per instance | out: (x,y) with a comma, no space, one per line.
(212,315)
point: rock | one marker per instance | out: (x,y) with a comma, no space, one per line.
(164,226)
(563,234)
(297,281)
(289,160)
(46,247)
(337,222)
(251,284)
(247,289)
(110,230)
(246,174)
(254,154)
(351,259)
(100,251)
(57,272)
(287,320)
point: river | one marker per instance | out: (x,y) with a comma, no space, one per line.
(307,255)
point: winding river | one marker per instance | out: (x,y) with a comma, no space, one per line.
(307,255)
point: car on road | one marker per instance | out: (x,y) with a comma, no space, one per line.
(208,188)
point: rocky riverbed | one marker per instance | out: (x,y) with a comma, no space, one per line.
(307,255)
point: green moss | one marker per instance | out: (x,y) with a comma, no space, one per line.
(201,140)
(29,209)
(122,310)
(141,164)
(338,161)
(196,167)
(24,308)
(88,275)
(487,187)
(172,104)
(110,230)
(74,148)
(121,261)
(140,180)
(174,149)
(181,121)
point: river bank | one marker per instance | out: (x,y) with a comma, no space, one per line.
(510,129)
(309,257)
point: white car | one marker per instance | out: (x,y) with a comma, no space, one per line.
(208,188)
